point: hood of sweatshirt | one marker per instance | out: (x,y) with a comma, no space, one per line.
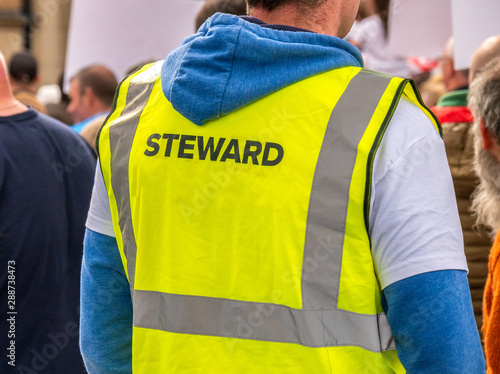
(230,63)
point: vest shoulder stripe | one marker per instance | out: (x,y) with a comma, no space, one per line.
(121,137)
(347,124)
(120,91)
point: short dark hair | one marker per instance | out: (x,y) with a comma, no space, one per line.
(100,79)
(270,5)
(236,7)
(23,67)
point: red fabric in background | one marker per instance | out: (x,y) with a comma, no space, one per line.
(453,114)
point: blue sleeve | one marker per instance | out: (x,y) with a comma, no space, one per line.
(106,308)
(433,324)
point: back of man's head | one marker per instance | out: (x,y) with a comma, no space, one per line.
(100,80)
(236,7)
(23,68)
(91,91)
(487,51)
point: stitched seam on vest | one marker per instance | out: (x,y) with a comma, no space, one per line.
(373,151)
(421,101)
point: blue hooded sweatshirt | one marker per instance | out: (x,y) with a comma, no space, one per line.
(231,62)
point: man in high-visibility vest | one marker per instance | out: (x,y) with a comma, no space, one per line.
(265,205)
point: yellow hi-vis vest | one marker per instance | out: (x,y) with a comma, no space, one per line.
(245,240)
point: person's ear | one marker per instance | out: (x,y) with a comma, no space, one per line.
(488,140)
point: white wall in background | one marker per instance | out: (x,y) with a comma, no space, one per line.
(420,27)
(473,22)
(123,33)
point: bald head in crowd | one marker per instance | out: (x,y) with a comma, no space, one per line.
(487,51)
(8,104)
(91,92)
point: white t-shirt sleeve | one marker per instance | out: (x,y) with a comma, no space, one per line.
(99,217)
(414,222)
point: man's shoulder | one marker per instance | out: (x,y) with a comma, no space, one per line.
(58,128)
(43,132)
(410,120)
(410,130)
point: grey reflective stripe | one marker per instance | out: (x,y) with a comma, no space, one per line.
(258,321)
(330,192)
(121,138)
(319,323)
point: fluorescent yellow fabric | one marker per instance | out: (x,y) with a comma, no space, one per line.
(182,353)
(105,158)
(235,229)
(261,263)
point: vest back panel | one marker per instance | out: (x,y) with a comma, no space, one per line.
(230,226)
(249,234)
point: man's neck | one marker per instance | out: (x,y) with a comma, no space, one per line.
(272,25)
(10,106)
(19,87)
(319,20)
